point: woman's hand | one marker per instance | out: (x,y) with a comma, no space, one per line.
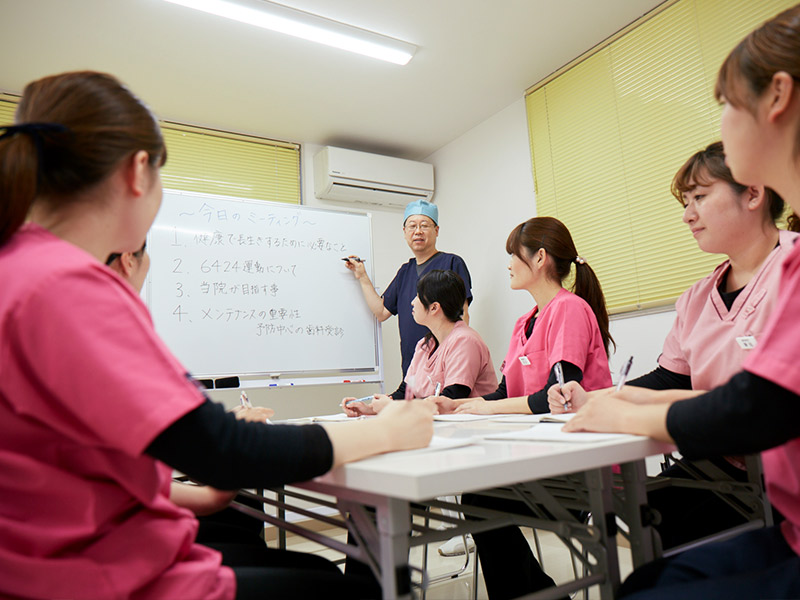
(200,499)
(408,424)
(603,412)
(608,411)
(475,406)
(381,401)
(401,425)
(255,414)
(353,407)
(445,405)
(567,398)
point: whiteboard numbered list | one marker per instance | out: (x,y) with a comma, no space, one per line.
(241,287)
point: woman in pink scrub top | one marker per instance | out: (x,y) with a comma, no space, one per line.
(451,360)
(564,327)
(758,409)
(719,319)
(95,412)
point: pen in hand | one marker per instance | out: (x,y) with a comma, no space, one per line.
(245,402)
(559,371)
(623,373)
(365,400)
(354,259)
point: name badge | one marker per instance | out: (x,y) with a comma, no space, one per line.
(524,360)
(746,342)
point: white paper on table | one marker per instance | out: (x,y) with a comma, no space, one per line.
(437,443)
(333,418)
(461,417)
(540,418)
(516,418)
(551,432)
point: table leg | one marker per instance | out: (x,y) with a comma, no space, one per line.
(637,513)
(601,502)
(394,530)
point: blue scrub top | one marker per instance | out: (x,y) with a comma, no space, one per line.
(402,290)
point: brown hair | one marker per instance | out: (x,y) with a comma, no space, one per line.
(553,236)
(72,131)
(709,164)
(749,68)
(448,289)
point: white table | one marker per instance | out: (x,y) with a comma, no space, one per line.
(389,483)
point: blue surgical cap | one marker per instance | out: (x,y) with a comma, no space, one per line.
(421,207)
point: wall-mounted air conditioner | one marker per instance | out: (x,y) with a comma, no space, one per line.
(351,176)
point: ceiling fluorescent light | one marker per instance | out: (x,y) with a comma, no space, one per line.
(307,26)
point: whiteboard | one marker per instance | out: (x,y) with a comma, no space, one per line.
(246,287)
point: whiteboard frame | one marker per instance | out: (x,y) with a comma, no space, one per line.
(300,378)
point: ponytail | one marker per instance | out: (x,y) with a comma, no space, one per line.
(18,174)
(554,237)
(587,286)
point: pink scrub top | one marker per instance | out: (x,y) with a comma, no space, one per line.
(710,342)
(776,358)
(85,387)
(565,330)
(462,358)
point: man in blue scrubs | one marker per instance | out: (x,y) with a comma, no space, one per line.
(420,228)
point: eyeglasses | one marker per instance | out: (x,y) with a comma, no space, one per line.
(414,226)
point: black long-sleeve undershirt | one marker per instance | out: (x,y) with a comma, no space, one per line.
(213,447)
(663,379)
(500,393)
(537,401)
(746,415)
(453,392)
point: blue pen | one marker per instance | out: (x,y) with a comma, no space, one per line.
(365,399)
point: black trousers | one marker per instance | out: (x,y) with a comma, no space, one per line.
(263,572)
(756,564)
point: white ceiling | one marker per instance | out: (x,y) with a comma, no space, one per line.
(475,58)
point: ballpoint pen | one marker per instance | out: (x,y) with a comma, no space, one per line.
(438,389)
(623,373)
(365,399)
(243,399)
(559,371)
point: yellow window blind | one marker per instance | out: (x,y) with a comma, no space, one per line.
(215,162)
(608,134)
(8,104)
(201,160)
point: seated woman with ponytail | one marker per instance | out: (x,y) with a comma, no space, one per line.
(452,360)
(564,327)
